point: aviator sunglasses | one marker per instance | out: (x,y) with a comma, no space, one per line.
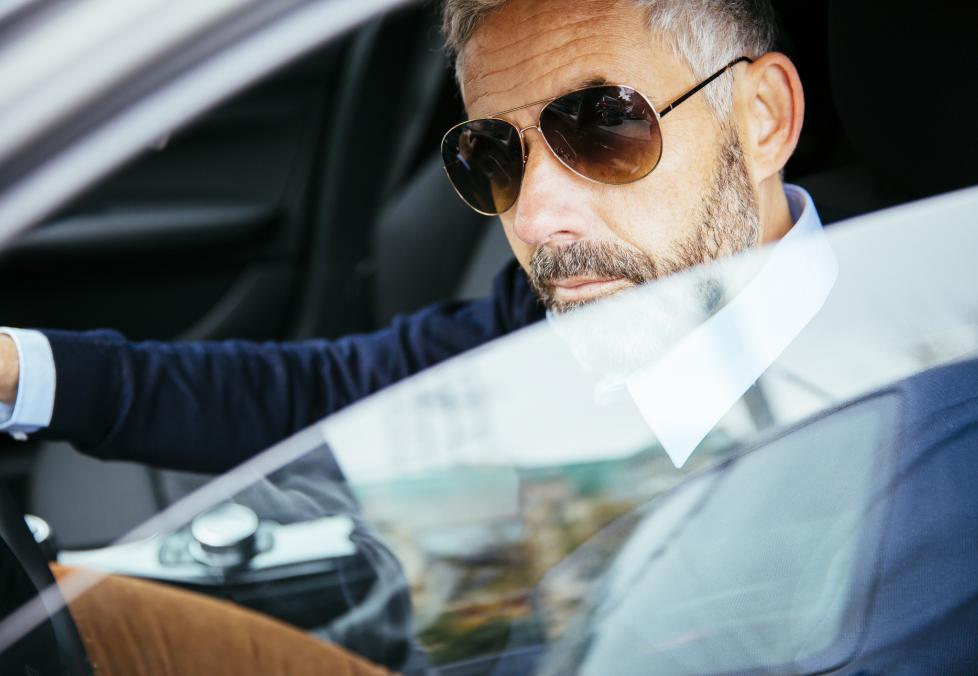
(604,133)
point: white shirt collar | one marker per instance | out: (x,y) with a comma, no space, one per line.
(683,395)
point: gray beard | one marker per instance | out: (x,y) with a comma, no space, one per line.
(729,222)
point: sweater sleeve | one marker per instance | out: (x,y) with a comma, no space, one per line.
(207,406)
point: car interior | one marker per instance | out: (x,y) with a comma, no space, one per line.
(310,205)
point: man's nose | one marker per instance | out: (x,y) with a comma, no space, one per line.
(551,207)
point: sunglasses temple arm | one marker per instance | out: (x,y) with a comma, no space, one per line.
(702,84)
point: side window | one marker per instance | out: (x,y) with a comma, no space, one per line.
(750,567)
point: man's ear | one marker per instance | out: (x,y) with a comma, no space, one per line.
(771,106)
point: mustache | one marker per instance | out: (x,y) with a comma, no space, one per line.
(591,259)
(602,260)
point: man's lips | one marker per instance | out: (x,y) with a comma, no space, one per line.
(582,288)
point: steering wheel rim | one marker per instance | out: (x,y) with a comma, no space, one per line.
(24,572)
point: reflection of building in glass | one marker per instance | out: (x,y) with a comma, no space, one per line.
(476,542)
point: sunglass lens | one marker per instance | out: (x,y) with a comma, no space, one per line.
(609,134)
(484,160)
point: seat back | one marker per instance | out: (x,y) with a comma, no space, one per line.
(901,79)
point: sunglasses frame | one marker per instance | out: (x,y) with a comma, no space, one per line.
(672,105)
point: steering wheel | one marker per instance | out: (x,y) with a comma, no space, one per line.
(53,646)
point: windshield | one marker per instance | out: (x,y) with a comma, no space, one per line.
(597,494)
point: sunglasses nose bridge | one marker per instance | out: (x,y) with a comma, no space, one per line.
(522,132)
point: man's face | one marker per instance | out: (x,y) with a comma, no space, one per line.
(579,240)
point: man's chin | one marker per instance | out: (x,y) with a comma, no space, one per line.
(625,333)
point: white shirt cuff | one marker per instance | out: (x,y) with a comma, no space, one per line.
(35,387)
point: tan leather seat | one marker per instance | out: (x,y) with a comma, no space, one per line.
(133,627)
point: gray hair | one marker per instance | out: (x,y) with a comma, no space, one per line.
(704,34)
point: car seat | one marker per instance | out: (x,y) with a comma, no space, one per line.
(901,79)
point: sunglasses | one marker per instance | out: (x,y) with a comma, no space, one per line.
(605,133)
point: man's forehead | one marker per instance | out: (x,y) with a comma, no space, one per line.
(536,49)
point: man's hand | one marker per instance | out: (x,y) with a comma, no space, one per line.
(9,370)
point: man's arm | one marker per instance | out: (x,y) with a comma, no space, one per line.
(208,406)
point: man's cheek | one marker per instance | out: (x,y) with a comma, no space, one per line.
(656,219)
(521,251)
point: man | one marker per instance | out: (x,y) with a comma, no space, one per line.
(715,190)
(604,174)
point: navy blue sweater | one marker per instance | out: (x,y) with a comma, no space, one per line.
(206,407)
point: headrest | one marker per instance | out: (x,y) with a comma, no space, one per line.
(904,80)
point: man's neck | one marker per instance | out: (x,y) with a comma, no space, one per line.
(776,218)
